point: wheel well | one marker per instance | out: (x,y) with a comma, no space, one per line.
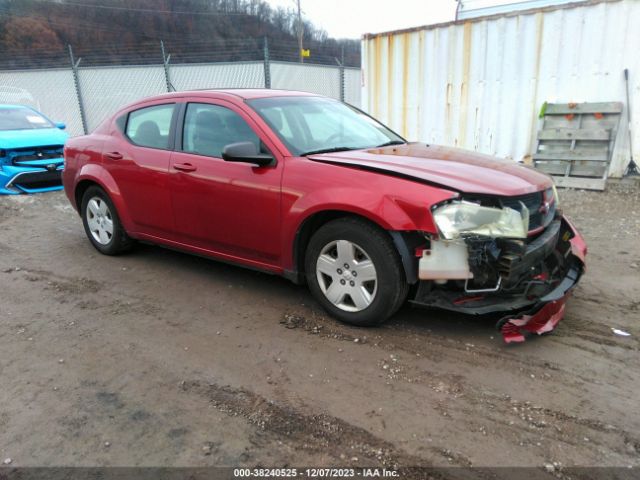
(304,234)
(80,189)
(317,220)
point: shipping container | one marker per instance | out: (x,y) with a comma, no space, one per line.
(480,83)
(482,8)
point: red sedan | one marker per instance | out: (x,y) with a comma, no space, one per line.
(313,189)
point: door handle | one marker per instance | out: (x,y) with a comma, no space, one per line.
(185,167)
(114,155)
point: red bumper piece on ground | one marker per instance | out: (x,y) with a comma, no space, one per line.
(549,315)
(543,321)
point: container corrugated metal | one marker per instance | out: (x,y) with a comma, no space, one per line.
(480,84)
(480,8)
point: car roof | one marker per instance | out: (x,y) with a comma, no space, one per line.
(248,93)
(242,93)
(231,94)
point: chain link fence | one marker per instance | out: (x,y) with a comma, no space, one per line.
(83,93)
(51,91)
(105,89)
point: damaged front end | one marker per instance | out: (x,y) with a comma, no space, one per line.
(519,256)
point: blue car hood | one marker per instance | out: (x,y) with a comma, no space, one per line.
(10,139)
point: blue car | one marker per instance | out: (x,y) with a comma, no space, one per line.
(30,151)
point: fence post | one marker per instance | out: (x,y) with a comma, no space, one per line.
(341,74)
(76,82)
(267,65)
(165,64)
(342,77)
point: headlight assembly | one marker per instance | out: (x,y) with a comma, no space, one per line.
(458,218)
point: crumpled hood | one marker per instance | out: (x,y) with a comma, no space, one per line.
(454,168)
(32,138)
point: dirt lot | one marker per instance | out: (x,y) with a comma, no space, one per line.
(161,358)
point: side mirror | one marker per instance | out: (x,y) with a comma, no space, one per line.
(61,125)
(246,152)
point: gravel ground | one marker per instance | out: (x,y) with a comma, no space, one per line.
(160,358)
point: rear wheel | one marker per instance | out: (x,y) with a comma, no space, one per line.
(102,224)
(355,272)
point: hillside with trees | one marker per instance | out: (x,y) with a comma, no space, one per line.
(35,33)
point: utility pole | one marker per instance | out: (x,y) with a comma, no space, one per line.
(300,33)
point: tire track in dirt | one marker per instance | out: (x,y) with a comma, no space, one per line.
(428,345)
(479,406)
(317,431)
(84,290)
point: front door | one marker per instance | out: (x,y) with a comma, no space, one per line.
(229,208)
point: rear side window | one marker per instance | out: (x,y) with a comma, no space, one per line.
(209,128)
(150,126)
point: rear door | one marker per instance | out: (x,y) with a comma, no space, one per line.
(137,155)
(229,208)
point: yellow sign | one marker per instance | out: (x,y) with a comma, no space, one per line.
(306,53)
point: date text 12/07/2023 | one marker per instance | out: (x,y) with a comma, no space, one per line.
(315,473)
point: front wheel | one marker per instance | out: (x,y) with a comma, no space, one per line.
(355,272)
(102,224)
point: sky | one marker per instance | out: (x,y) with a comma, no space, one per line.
(353,18)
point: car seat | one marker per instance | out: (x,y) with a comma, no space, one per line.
(148,135)
(210,135)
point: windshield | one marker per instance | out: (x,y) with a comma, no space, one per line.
(22,118)
(317,124)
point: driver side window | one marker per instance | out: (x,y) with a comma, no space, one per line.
(209,128)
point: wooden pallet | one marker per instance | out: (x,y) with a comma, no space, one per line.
(576,142)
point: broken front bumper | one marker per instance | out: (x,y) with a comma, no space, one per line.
(525,313)
(549,310)
(35,178)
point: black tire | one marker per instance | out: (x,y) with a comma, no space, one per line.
(392,286)
(119,242)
